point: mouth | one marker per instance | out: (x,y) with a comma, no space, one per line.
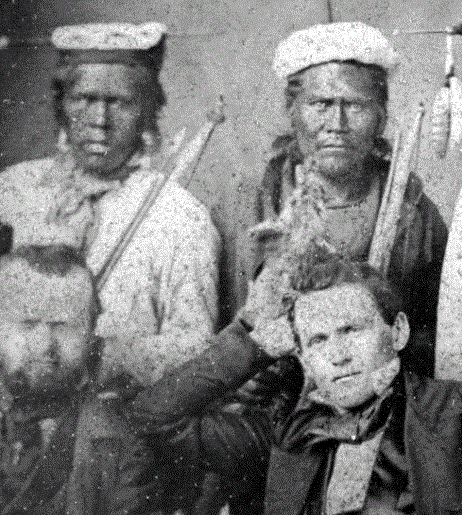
(94,147)
(44,363)
(333,148)
(345,376)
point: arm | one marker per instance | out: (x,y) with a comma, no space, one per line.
(187,440)
(231,358)
(174,308)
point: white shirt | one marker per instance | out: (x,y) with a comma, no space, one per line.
(160,302)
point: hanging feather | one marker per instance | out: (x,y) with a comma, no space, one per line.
(440,122)
(455,100)
(441,116)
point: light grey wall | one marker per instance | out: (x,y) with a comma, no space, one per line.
(226,47)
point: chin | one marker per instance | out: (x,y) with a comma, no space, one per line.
(43,384)
(333,168)
(99,166)
(354,400)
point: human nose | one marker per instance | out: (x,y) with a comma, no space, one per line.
(341,356)
(336,118)
(42,337)
(98,113)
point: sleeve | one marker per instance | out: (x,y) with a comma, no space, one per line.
(196,446)
(424,281)
(187,296)
(206,461)
(231,358)
(236,446)
(420,288)
(108,483)
(183,301)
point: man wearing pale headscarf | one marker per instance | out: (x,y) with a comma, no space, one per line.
(160,301)
(336,92)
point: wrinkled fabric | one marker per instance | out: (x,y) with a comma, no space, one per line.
(418,465)
(191,441)
(88,464)
(160,302)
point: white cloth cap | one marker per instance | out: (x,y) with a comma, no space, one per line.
(335,41)
(108,36)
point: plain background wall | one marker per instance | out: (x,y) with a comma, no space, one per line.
(226,47)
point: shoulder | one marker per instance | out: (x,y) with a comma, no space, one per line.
(433,399)
(184,216)
(25,174)
(183,202)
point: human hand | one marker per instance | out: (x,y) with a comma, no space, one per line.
(269,296)
(274,336)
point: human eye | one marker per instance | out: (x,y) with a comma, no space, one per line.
(320,105)
(315,106)
(355,107)
(58,325)
(29,324)
(351,328)
(316,339)
(75,101)
(120,102)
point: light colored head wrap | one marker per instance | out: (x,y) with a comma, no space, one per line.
(334,42)
(107,43)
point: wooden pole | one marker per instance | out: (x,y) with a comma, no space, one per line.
(386,226)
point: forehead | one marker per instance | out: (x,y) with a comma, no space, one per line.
(334,307)
(106,78)
(338,79)
(28,294)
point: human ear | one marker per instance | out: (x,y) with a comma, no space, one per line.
(400,331)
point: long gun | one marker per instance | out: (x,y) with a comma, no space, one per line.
(185,167)
(386,227)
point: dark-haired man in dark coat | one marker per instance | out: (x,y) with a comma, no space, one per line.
(365,436)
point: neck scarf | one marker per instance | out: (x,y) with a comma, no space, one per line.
(76,194)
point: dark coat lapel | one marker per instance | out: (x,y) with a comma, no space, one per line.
(289,479)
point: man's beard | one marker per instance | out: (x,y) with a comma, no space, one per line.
(336,171)
(24,384)
(354,177)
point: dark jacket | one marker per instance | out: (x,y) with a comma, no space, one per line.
(421,452)
(87,467)
(240,445)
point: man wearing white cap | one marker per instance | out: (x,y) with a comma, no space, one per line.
(336,98)
(159,303)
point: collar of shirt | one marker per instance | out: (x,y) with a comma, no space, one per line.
(65,172)
(74,186)
(322,422)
